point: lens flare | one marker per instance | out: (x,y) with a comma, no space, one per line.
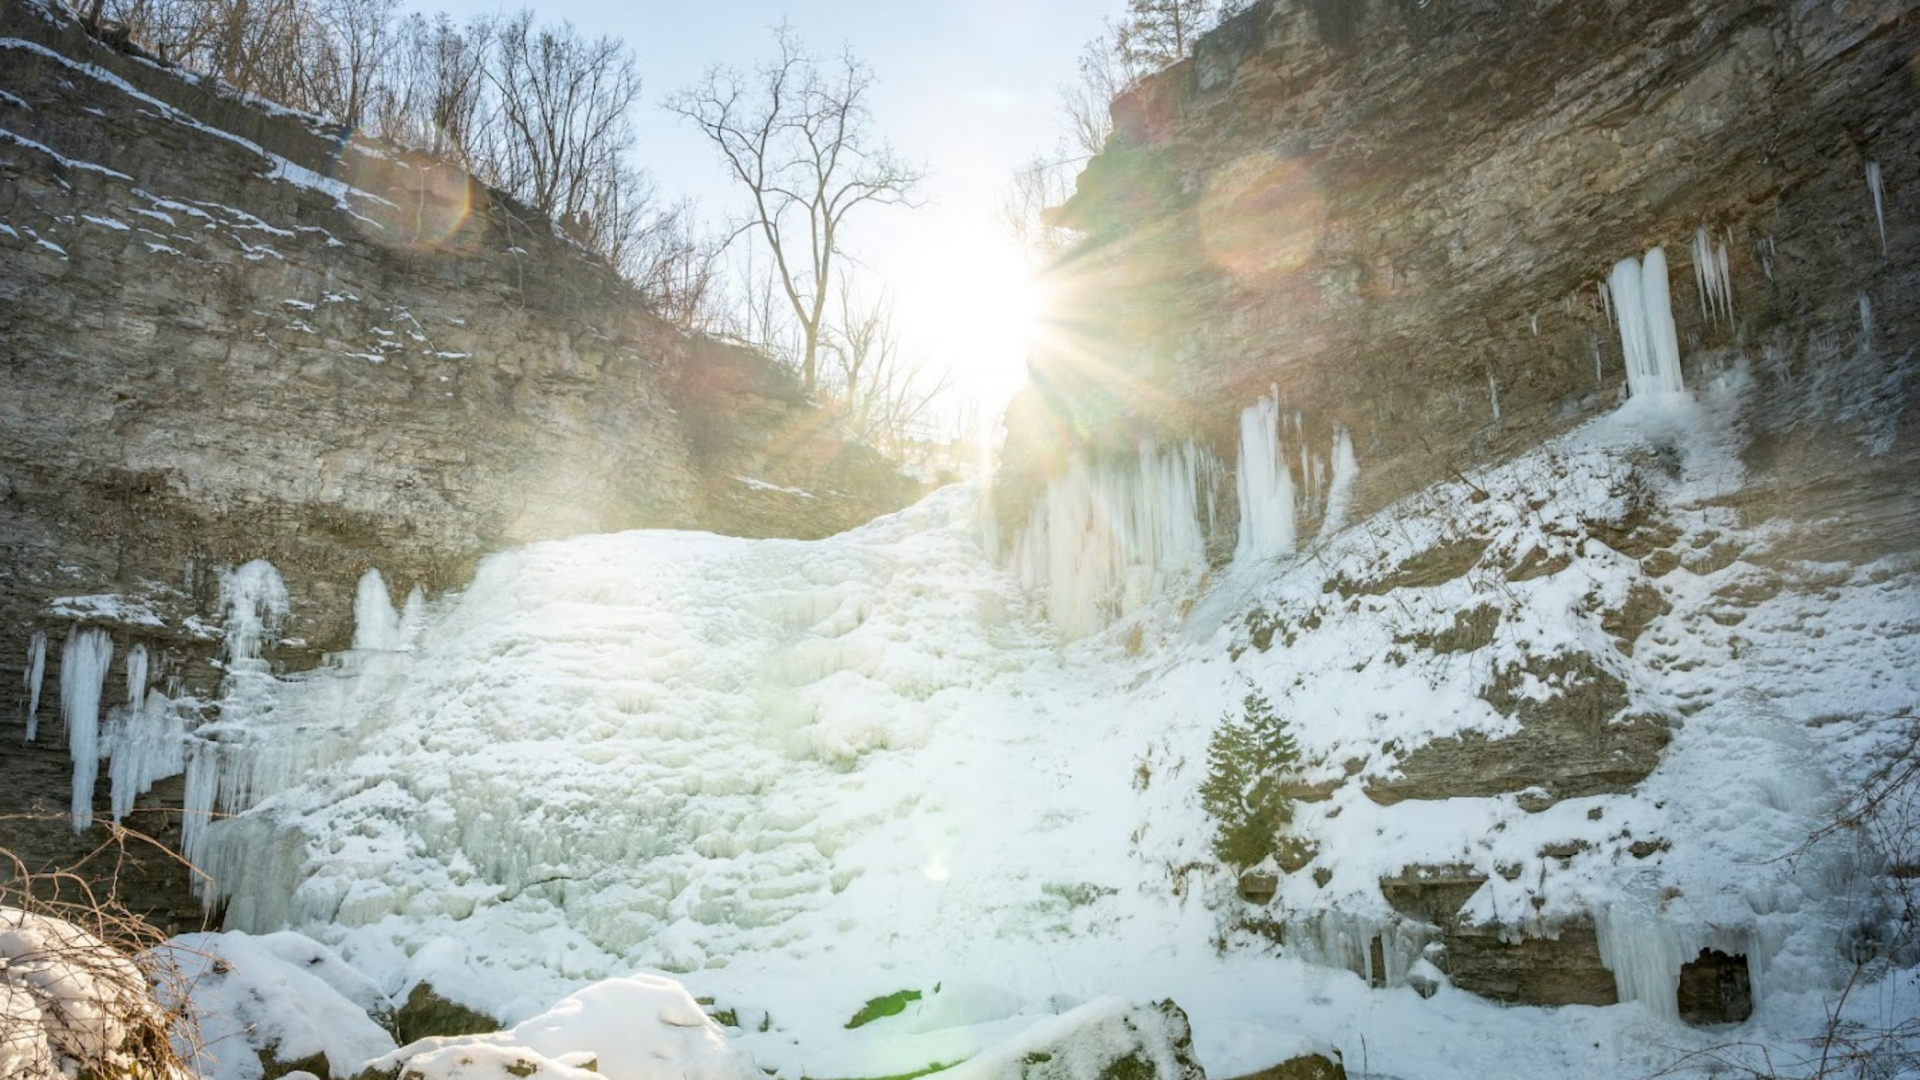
(417,203)
(1262,215)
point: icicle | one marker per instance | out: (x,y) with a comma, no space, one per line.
(1493,394)
(1647,336)
(1711,277)
(152,746)
(83,675)
(1866,324)
(1606,302)
(1535,319)
(1879,213)
(376,625)
(35,673)
(137,676)
(1346,471)
(1266,487)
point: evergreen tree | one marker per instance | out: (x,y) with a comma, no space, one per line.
(1248,758)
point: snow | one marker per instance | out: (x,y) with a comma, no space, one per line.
(106,607)
(83,675)
(65,161)
(35,673)
(1266,487)
(757,485)
(108,223)
(65,999)
(1647,336)
(799,775)
(282,994)
(640,1027)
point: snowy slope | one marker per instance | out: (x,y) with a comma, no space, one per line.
(802,775)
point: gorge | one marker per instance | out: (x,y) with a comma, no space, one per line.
(1516,398)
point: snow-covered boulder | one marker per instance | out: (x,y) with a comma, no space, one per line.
(1105,1039)
(279,997)
(641,1027)
(70,1003)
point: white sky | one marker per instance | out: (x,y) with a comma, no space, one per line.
(967,88)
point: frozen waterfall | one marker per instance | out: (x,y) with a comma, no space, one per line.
(1647,337)
(1104,539)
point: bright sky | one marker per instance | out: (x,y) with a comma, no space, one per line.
(968,87)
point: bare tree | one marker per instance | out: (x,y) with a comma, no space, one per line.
(1156,33)
(435,92)
(796,134)
(1105,72)
(563,102)
(1037,187)
(356,41)
(885,396)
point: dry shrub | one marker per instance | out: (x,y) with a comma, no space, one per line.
(78,975)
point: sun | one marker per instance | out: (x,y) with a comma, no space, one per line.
(966,295)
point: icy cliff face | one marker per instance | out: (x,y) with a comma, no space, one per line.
(1405,217)
(803,775)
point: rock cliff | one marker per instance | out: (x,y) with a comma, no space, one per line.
(230,332)
(1401,216)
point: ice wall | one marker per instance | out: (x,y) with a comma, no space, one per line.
(1266,486)
(149,745)
(1104,539)
(83,675)
(35,674)
(1648,341)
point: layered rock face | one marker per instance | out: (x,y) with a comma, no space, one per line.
(1400,216)
(231,333)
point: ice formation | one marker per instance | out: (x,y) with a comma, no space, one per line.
(222,774)
(1104,539)
(1879,204)
(83,675)
(1346,472)
(1712,277)
(1647,336)
(1265,484)
(376,625)
(35,674)
(148,744)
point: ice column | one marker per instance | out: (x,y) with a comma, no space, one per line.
(1644,306)
(36,672)
(1266,487)
(1340,491)
(83,675)
(376,625)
